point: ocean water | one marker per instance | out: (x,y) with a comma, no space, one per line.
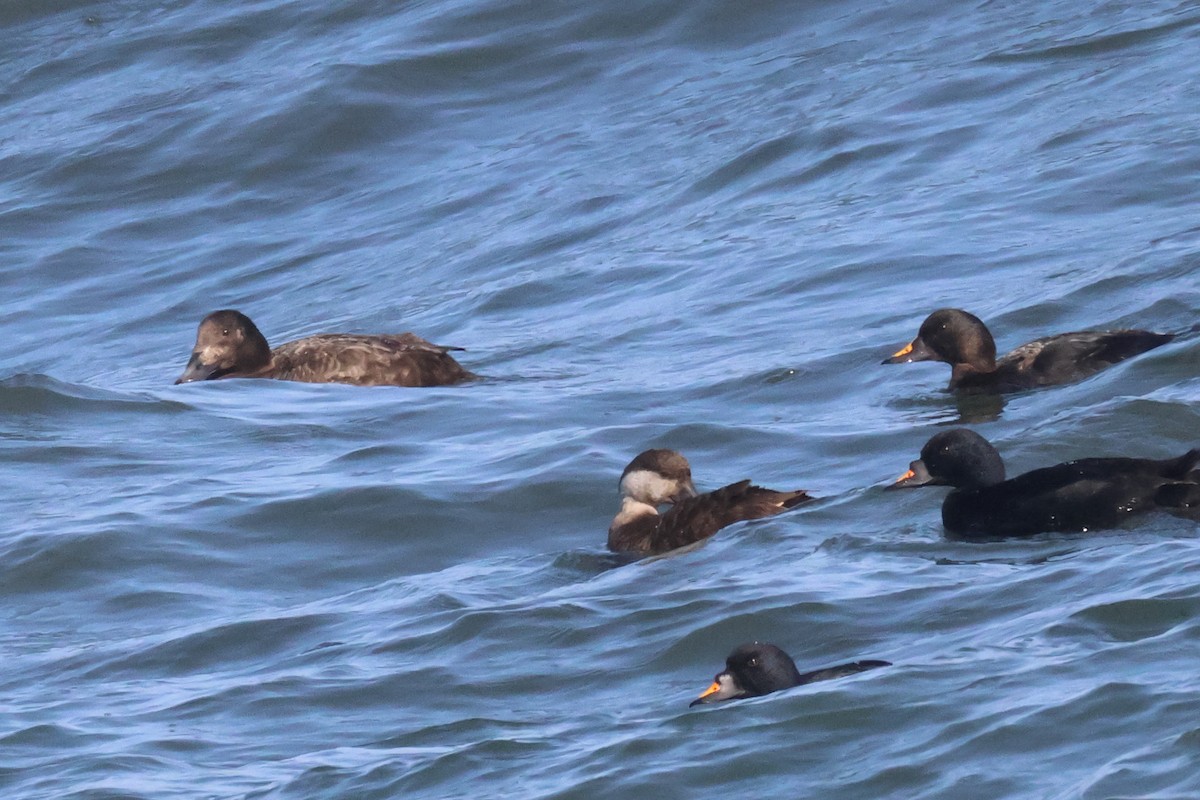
(693,225)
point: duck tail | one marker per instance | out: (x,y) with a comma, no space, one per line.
(1178,495)
(1178,468)
(796,498)
(843,670)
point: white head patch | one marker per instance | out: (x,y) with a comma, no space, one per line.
(648,487)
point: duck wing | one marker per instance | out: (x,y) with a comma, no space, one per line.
(367,360)
(699,517)
(1075,496)
(410,341)
(1073,356)
(638,535)
(841,671)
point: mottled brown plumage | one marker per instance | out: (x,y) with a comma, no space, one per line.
(660,477)
(229,345)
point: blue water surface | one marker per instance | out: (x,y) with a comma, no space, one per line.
(652,224)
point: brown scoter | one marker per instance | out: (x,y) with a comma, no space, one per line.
(229,345)
(660,477)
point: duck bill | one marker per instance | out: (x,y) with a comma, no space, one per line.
(707,696)
(916,350)
(917,475)
(685,491)
(197,371)
(724,687)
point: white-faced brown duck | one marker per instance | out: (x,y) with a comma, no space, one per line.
(964,342)
(757,668)
(664,477)
(1078,496)
(229,345)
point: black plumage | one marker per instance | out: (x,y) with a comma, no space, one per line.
(962,340)
(1079,496)
(757,668)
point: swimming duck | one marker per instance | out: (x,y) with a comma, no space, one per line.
(229,345)
(755,669)
(964,342)
(660,477)
(1075,496)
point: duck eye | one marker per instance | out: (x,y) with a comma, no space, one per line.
(753,662)
(225,332)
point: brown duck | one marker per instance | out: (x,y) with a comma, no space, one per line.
(661,477)
(229,345)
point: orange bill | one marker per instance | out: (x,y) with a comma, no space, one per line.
(908,348)
(906,476)
(716,687)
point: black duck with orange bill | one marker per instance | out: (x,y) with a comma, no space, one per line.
(962,340)
(758,668)
(1075,496)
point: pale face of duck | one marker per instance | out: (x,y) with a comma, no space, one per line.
(227,343)
(657,477)
(655,489)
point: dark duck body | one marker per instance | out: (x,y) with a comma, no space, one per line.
(229,345)
(1074,496)
(964,342)
(755,669)
(661,477)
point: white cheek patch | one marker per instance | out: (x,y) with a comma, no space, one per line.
(648,487)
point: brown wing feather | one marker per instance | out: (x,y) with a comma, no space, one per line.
(385,360)
(699,517)
(639,535)
(1080,353)
(1022,358)
(406,341)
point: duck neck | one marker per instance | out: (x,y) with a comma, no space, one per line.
(965,373)
(632,509)
(260,371)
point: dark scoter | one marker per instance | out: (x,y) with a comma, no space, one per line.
(1076,496)
(659,477)
(964,342)
(755,669)
(228,345)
